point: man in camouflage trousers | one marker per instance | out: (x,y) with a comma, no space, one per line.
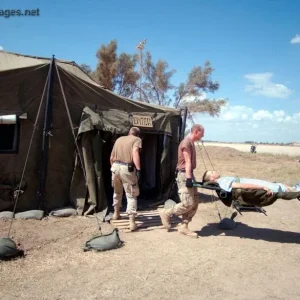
(188,194)
(126,173)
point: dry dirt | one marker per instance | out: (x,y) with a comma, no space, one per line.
(261,148)
(260,259)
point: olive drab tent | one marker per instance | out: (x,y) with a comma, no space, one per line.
(46,105)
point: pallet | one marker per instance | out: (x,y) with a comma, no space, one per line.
(145,220)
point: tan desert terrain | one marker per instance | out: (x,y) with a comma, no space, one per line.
(259,259)
(271,149)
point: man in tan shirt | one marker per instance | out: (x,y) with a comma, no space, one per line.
(126,172)
(188,194)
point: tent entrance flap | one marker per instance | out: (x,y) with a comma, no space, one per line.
(90,196)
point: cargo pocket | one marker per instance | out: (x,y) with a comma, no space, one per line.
(135,190)
(187,199)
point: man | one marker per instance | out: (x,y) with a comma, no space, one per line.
(126,172)
(228,183)
(188,194)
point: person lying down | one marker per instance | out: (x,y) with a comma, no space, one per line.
(228,183)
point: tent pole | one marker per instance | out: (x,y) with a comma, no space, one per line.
(46,134)
(183,124)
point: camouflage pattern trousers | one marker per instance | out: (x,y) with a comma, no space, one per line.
(189,198)
(122,178)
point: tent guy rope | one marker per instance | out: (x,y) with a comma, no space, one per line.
(28,152)
(75,140)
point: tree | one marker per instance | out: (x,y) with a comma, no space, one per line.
(157,81)
(116,73)
(192,93)
(120,75)
(107,66)
(86,68)
(125,80)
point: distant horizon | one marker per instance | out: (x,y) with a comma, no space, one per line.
(252,142)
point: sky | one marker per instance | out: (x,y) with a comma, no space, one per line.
(253,46)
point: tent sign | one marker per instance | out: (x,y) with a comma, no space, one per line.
(142,121)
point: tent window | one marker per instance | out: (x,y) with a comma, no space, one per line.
(9,134)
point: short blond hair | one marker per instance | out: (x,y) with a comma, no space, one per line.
(197,127)
(206,176)
(134,131)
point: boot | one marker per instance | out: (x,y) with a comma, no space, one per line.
(116,215)
(289,195)
(183,229)
(132,224)
(165,219)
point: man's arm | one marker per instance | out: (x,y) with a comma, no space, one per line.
(111,159)
(237,185)
(188,163)
(136,157)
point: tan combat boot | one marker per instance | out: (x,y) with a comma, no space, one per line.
(116,215)
(183,229)
(165,218)
(132,224)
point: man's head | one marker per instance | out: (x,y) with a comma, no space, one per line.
(210,176)
(134,131)
(197,132)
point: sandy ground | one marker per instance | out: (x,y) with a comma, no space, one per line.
(260,259)
(272,149)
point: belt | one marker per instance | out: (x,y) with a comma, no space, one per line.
(121,163)
(182,171)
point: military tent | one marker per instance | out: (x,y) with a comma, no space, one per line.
(47,104)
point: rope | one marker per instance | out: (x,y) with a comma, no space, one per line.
(29,147)
(71,124)
(202,158)
(70,120)
(208,156)
(211,195)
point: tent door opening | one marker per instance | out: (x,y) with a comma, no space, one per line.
(10,133)
(150,164)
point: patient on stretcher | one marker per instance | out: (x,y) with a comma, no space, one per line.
(228,183)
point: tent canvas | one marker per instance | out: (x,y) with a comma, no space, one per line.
(98,117)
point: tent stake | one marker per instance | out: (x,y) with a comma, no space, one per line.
(46,134)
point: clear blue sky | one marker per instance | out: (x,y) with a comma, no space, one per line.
(253,45)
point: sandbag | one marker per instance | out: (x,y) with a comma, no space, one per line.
(8,249)
(63,212)
(104,242)
(6,215)
(30,214)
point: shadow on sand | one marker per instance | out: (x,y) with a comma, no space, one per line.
(248,232)
(206,198)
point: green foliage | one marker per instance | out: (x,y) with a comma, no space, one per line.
(132,76)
